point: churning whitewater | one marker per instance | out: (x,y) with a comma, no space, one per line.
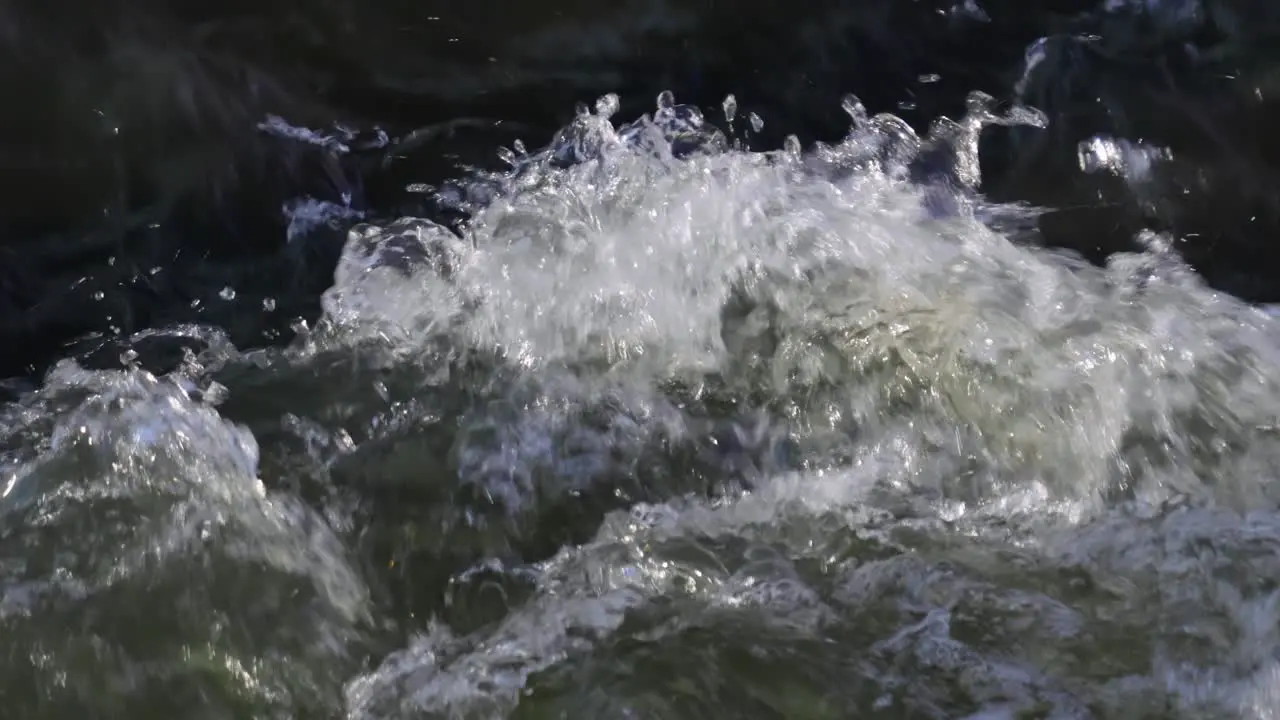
(675,429)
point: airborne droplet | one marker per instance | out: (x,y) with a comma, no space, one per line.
(730,106)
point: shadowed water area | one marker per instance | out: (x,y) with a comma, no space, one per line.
(887,360)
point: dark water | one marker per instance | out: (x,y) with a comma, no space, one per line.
(332,399)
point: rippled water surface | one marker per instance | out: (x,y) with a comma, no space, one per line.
(673,429)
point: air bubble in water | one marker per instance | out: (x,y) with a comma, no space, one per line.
(730,106)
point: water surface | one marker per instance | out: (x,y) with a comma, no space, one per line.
(673,429)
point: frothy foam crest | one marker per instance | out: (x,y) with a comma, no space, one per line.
(951,397)
(830,277)
(614,237)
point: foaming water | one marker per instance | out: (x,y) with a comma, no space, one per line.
(136,491)
(677,429)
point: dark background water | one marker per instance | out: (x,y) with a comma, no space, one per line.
(138,185)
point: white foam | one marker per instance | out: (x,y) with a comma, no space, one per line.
(943,384)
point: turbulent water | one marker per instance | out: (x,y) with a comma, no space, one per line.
(674,429)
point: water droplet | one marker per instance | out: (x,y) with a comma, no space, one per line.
(607,105)
(343,441)
(299,326)
(580,109)
(730,106)
(268,304)
(227,293)
(507,156)
(1096,154)
(98,295)
(518,146)
(128,356)
(791,145)
(757,123)
(666,100)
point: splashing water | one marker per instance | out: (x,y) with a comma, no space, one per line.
(677,429)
